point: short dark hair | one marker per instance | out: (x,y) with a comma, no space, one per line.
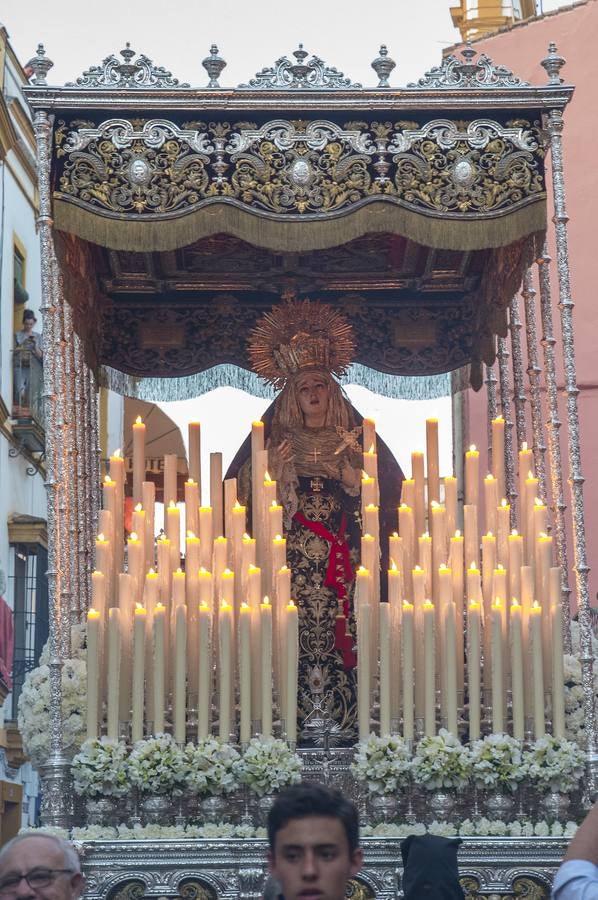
(29,314)
(311,799)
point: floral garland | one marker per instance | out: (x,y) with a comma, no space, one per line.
(34,702)
(575,718)
(221,830)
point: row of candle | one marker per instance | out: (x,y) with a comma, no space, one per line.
(141,666)
(406,643)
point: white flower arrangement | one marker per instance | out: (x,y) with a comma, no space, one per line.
(496,762)
(100,769)
(34,702)
(210,766)
(267,765)
(441,762)
(157,765)
(384,763)
(554,764)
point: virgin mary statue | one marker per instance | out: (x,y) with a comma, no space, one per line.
(315,455)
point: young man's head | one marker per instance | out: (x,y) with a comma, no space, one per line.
(29,320)
(313,832)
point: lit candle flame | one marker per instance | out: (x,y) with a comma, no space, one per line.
(139,420)
(101,536)
(133,536)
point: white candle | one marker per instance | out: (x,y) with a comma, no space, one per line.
(225,624)
(117,473)
(245,673)
(517,695)
(450,666)
(470,530)
(257,477)
(192,554)
(432,462)
(173,533)
(292,670)
(491,503)
(114,658)
(503,524)
(473,668)
(191,507)
(216,498)
(93,671)
(456,563)
(535,633)
(450,502)
(515,550)
(204,692)
(148,501)
(139,627)
(266,678)
(138,459)
(497,680)
(180,674)
(159,668)
(472,476)
(407,532)
(417,471)
(369,433)
(178,588)
(194,437)
(135,562)
(429,671)
(407,679)
(385,651)
(206,536)
(498,453)
(363,670)
(170,479)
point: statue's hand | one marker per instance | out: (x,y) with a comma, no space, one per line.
(350,477)
(285,451)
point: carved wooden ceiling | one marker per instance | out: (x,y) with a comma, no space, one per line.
(179,312)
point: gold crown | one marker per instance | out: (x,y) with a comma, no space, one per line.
(300,335)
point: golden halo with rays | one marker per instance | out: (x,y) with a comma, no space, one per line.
(298,335)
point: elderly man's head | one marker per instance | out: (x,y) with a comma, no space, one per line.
(40,866)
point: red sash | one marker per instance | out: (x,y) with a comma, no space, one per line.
(338,575)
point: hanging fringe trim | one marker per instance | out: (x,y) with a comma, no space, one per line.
(400,387)
(316,233)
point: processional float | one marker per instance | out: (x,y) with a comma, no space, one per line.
(422,214)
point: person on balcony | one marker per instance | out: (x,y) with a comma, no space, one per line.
(27,338)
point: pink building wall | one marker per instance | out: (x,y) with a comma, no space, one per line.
(575,32)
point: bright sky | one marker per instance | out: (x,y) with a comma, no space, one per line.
(250,35)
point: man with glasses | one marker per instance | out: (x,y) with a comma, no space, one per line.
(40,866)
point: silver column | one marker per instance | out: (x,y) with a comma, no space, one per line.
(554,125)
(55,775)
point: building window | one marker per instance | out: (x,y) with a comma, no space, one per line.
(29,584)
(18,271)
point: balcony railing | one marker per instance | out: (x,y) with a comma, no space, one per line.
(27,403)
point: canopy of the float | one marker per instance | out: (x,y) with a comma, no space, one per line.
(181,214)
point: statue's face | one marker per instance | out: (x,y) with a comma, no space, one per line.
(312,394)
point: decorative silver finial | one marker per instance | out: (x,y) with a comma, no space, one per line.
(130,74)
(301,75)
(468,70)
(213,64)
(383,66)
(553,64)
(40,65)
